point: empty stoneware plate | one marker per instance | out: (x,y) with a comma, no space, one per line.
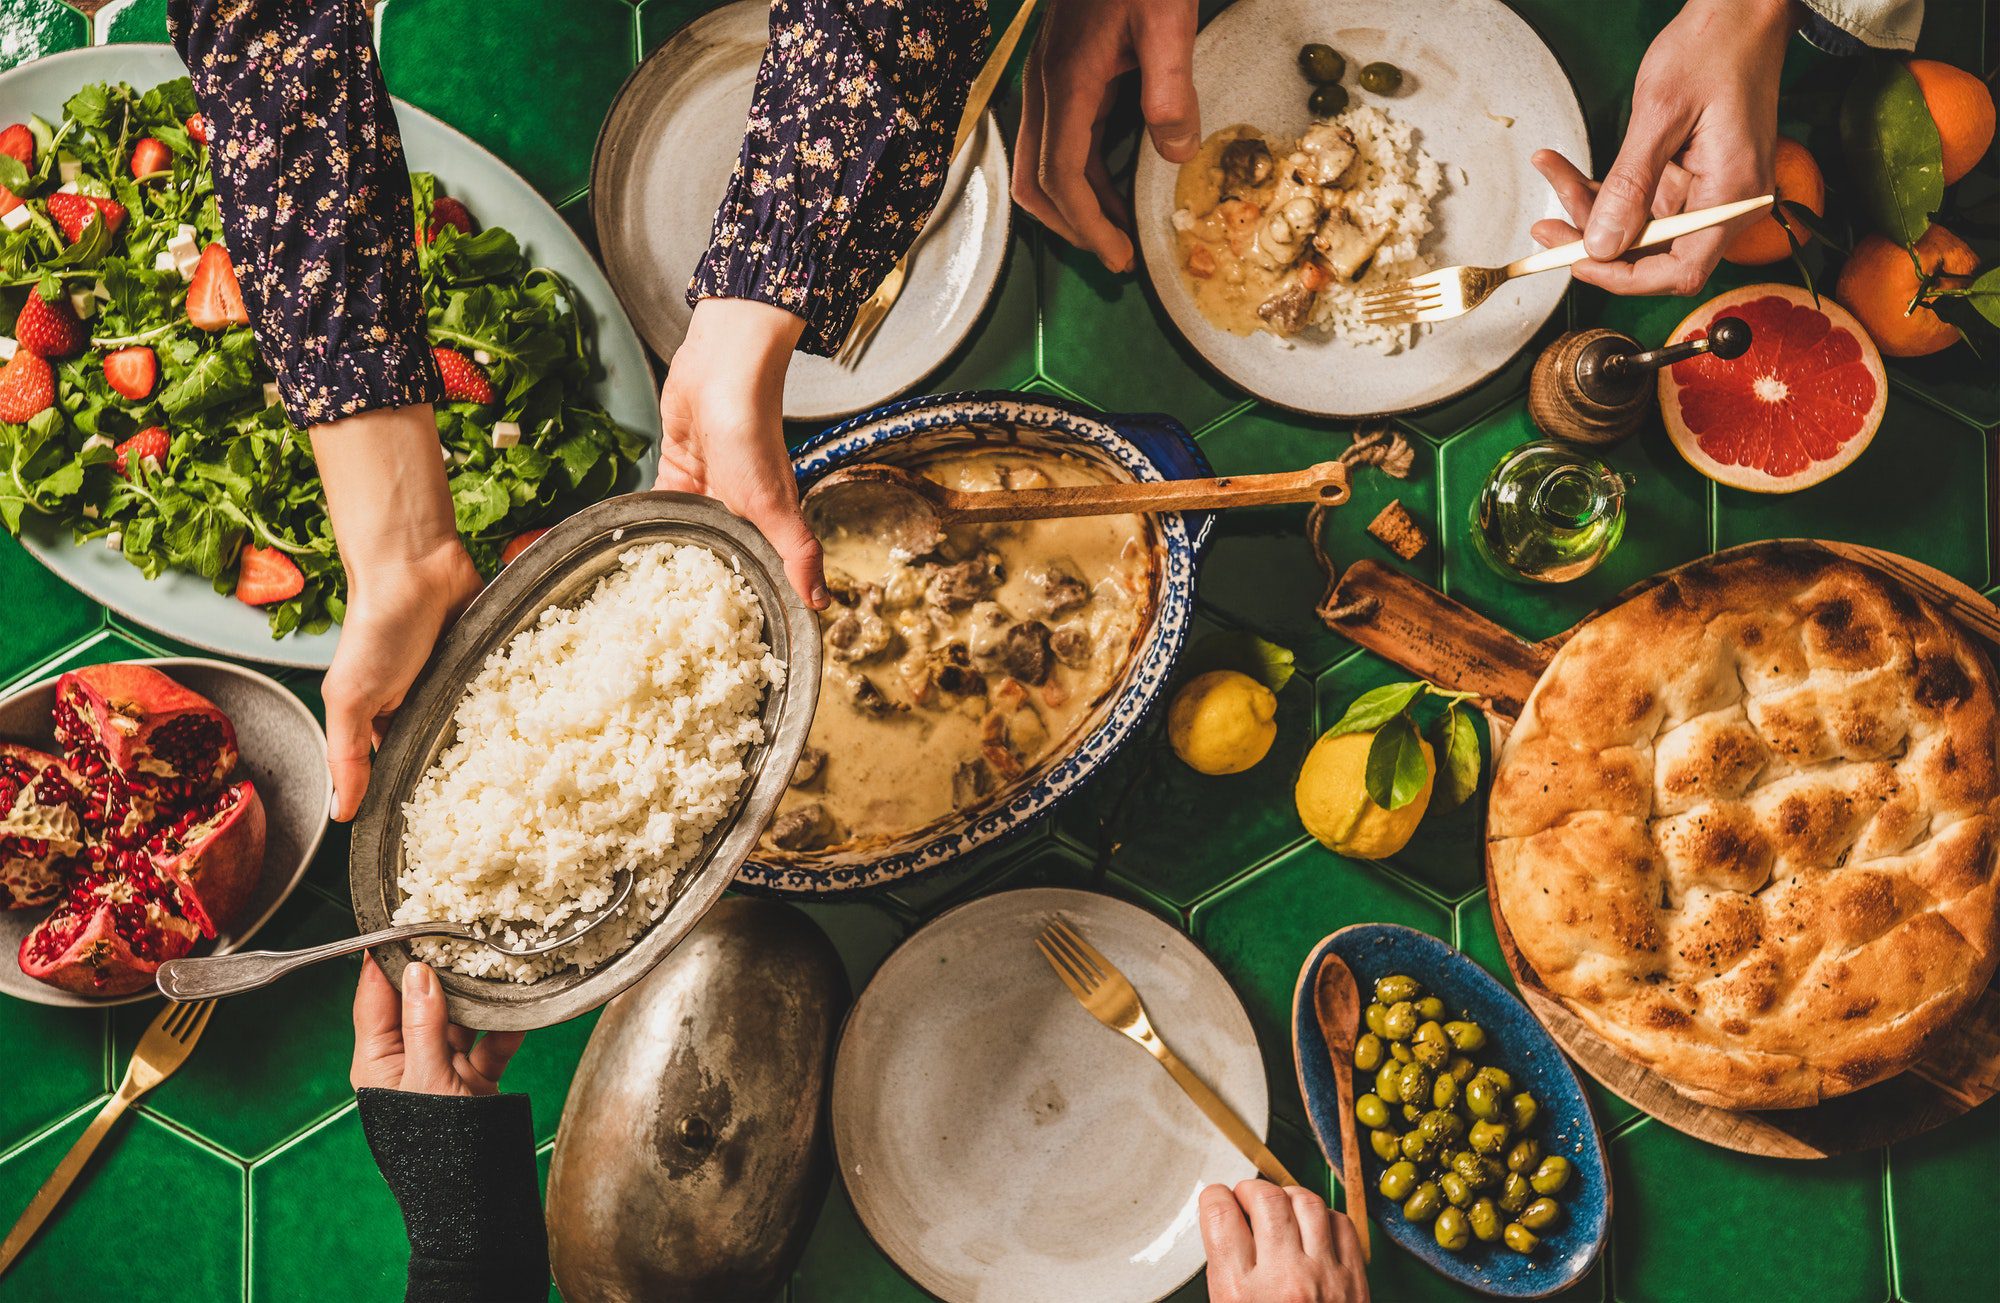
(1515,1042)
(284,754)
(1481,93)
(663,162)
(1001,1144)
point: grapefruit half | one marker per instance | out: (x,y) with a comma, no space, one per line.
(1799,406)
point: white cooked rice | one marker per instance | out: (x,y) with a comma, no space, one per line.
(609,735)
(1396,183)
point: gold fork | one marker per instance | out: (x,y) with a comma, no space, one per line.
(868,319)
(1454,291)
(1108,994)
(162,1049)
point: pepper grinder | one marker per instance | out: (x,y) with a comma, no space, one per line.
(1594,386)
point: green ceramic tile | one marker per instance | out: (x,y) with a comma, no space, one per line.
(110,646)
(927,894)
(1444,855)
(1000,352)
(328,872)
(154,1216)
(660,19)
(1260,930)
(1697,1222)
(132,20)
(577,213)
(1666,524)
(1920,488)
(272,1062)
(1104,339)
(542,1067)
(1260,571)
(1448,418)
(298,1250)
(61,614)
(863,931)
(1057,865)
(57,1064)
(842,1265)
(30,29)
(1940,1187)
(528,83)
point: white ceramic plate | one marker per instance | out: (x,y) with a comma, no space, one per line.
(1483,93)
(663,163)
(1000,1144)
(187,607)
(284,753)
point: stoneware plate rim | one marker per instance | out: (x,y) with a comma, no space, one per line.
(312,832)
(576,552)
(186,607)
(1452,357)
(1472,987)
(1167,1008)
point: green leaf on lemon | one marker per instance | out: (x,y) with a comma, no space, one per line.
(1396,770)
(1246,653)
(1456,741)
(1985,295)
(1377,706)
(1892,149)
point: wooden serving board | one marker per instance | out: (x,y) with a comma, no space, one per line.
(1406,621)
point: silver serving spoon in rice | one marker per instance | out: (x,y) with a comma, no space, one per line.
(214,976)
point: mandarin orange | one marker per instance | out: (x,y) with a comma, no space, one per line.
(1798,181)
(1879,281)
(1962,107)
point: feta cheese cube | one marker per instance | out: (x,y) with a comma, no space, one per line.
(17,217)
(182,243)
(98,291)
(67,188)
(70,169)
(115,540)
(151,463)
(83,302)
(185,228)
(7,348)
(186,266)
(482,357)
(97,441)
(164,261)
(506,434)
(89,511)
(447,453)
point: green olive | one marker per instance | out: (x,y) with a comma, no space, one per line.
(1481,1099)
(1519,1238)
(1398,1179)
(1381,78)
(1466,1035)
(1485,1218)
(1527,1152)
(1400,1023)
(1443,1126)
(1462,1068)
(1452,1231)
(1444,1091)
(1370,1111)
(1396,987)
(1322,64)
(1418,1147)
(1456,1192)
(1524,1108)
(1423,1203)
(1488,1137)
(1411,1113)
(1386,1079)
(1551,1176)
(1430,1046)
(1502,1083)
(1516,1193)
(1373,1017)
(1368,1052)
(1400,1053)
(1431,1007)
(1385,1144)
(1327,101)
(1478,1170)
(1415,1084)
(1539,1213)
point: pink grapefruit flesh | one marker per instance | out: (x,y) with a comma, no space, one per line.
(1798,407)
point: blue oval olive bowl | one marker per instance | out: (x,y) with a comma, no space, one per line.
(1143,447)
(1516,1042)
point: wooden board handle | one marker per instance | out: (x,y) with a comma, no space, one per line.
(1407,621)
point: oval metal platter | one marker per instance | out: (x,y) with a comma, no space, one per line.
(560,569)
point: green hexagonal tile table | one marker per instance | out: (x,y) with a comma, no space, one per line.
(273,1194)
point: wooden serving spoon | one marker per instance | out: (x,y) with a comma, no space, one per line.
(1337,1005)
(912,512)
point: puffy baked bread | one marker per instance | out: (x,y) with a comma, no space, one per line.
(1745,828)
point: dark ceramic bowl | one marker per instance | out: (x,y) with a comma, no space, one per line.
(1516,1042)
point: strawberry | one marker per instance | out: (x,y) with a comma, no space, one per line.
(197,129)
(150,442)
(132,372)
(519,544)
(27,387)
(446,211)
(149,156)
(73,212)
(214,299)
(50,329)
(265,575)
(18,142)
(464,379)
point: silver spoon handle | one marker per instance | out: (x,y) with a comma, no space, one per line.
(218,975)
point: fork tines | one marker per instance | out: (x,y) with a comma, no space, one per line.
(1071,957)
(184,1022)
(1403,302)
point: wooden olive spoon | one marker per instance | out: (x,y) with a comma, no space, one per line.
(913,512)
(1337,1004)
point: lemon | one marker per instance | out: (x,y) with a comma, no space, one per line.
(1222,722)
(1334,805)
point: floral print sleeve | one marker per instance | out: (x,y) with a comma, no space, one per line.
(845,154)
(314,197)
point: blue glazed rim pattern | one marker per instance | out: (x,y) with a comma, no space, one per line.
(1148,447)
(1517,1043)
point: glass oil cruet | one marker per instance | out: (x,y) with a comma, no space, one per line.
(1549,513)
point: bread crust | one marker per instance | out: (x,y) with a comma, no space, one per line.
(1745,828)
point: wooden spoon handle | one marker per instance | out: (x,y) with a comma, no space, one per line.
(1325,483)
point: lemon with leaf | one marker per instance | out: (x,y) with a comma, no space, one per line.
(1369,780)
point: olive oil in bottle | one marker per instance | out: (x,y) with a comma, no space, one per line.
(1548,513)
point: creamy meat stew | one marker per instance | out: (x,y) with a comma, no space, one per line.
(950,677)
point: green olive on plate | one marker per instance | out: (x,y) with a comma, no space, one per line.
(1398,1179)
(1423,1203)
(1452,1230)
(1551,1176)
(1327,101)
(1539,1213)
(1519,1238)
(1321,64)
(1484,1216)
(1371,1112)
(1381,78)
